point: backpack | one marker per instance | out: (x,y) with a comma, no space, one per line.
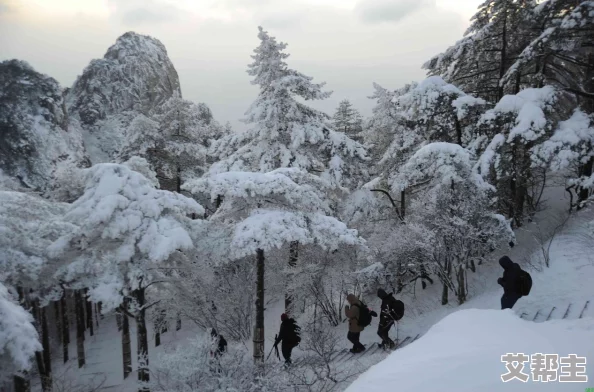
(295,336)
(364,315)
(397,309)
(525,283)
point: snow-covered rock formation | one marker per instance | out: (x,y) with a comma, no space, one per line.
(133,77)
(36,136)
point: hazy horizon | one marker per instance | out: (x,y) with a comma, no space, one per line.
(348,44)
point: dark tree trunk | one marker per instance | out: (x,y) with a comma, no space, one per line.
(44,375)
(126,348)
(89,313)
(458,130)
(119,320)
(584,193)
(177,323)
(65,326)
(97,315)
(80,328)
(142,341)
(293,257)
(58,319)
(403,203)
(503,61)
(45,342)
(258,339)
(461,285)
(21,383)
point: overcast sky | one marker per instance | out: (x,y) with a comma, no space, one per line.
(347,43)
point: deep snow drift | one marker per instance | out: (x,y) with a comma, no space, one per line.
(463,353)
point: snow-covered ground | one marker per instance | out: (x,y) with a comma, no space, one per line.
(463,353)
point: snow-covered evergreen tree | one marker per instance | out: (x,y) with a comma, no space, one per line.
(508,135)
(284,132)
(264,211)
(499,31)
(127,231)
(347,119)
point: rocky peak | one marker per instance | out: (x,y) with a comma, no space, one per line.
(135,74)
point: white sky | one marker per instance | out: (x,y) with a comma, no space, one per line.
(347,43)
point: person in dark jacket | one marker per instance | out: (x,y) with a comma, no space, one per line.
(387,318)
(510,282)
(289,336)
(219,342)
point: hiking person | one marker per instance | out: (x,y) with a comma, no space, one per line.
(219,342)
(515,282)
(289,335)
(391,311)
(359,317)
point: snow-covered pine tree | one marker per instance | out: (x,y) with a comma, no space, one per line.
(499,31)
(508,136)
(451,221)
(173,139)
(127,233)
(264,211)
(570,151)
(285,132)
(561,56)
(379,128)
(19,340)
(347,119)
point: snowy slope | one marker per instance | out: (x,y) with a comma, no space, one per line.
(36,137)
(462,353)
(135,76)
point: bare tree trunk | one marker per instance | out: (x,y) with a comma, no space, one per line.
(177,323)
(89,312)
(402,203)
(21,383)
(126,349)
(142,340)
(40,359)
(293,257)
(80,328)
(65,326)
(97,315)
(59,334)
(47,353)
(259,328)
(584,193)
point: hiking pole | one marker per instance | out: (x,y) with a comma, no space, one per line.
(270,353)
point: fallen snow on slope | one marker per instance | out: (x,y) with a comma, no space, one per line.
(463,353)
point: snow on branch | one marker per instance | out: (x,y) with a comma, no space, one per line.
(18,337)
(268,229)
(280,182)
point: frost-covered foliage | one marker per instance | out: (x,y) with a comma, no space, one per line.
(36,138)
(284,132)
(379,128)
(28,225)
(192,368)
(125,228)
(174,139)
(498,32)
(18,338)
(271,209)
(452,224)
(558,55)
(509,134)
(347,119)
(436,110)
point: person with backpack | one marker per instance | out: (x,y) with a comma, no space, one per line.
(391,311)
(359,317)
(219,342)
(289,335)
(516,282)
